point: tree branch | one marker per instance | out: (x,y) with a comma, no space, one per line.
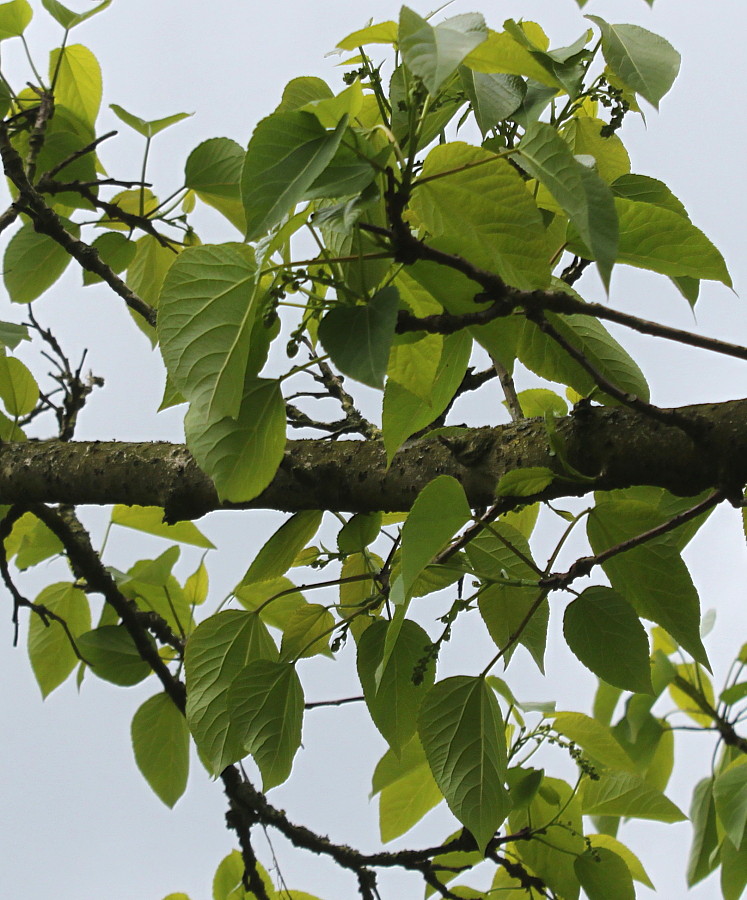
(615,447)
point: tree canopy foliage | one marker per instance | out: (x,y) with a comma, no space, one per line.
(417,233)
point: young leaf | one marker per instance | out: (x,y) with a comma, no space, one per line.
(113,656)
(265,708)
(116,250)
(660,239)
(206,314)
(160,740)
(304,624)
(18,388)
(66,17)
(730,799)
(626,794)
(651,577)
(358,338)
(439,510)
(147,129)
(524,482)
(484,213)
(606,635)
(213,172)
(434,53)
(280,550)
(461,729)
(584,197)
(216,652)
(33,262)
(552,859)
(287,153)
(14,17)
(150,520)
(380,33)
(644,61)
(702,859)
(78,85)
(406,787)
(594,739)
(395,699)
(51,654)
(603,875)
(404,412)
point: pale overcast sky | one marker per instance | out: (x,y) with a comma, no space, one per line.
(77,821)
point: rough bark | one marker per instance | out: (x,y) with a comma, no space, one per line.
(616,447)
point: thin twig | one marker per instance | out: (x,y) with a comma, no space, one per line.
(583,566)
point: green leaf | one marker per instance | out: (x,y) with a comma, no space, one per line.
(206,314)
(11,334)
(627,855)
(380,33)
(196,586)
(434,53)
(540,402)
(18,388)
(113,656)
(14,17)
(278,612)
(493,97)
(394,700)
(702,860)
(213,172)
(439,510)
(735,693)
(652,577)
(51,654)
(32,542)
(299,92)
(730,799)
(287,153)
(594,739)
(406,787)
(544,357)
(484,213)
(116,250)
(280,550)
(604,875)
(265,708)
(147,271)
(150,520)
(653,237)
(358,532)
(606,635)
(461,729)
(405,413)
(584,197)
(218,649)
(358,338)
(502,53)
(627,794)
(33,262)
(228,882)
(78,85)
(585,137)
(494,557)
(733,870)
(644,61)
(66,17)
(524,482)
(556,806)
(160,741)
(303,625)
(147,129)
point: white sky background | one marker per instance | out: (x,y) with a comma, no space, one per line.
(77,820)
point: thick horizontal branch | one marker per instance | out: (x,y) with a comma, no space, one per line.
(615,447)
